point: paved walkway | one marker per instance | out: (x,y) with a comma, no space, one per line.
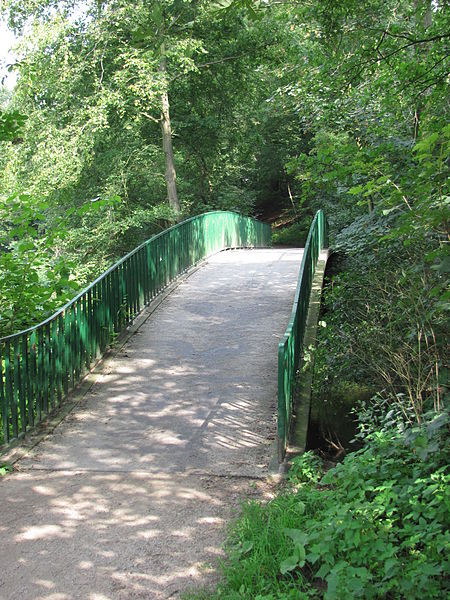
(129,496)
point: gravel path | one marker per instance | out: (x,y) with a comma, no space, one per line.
(128,497)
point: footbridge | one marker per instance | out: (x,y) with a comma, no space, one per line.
(144,410)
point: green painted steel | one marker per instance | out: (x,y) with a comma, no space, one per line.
(41,365)
(290,348)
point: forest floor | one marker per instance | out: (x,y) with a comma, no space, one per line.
(130,495)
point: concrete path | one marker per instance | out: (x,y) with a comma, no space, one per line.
(129,496)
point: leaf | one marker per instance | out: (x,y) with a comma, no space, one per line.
(299,538)
(246,547)
(157,15)
(289,564)
(323,571)
(355,191)
(389,564)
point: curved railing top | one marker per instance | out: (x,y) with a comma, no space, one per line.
(40,365)
(317,228)
(113,267)
(291,345)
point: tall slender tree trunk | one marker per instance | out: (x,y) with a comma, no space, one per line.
(170,174)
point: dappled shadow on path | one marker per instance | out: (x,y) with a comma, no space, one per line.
(195,389)
(102,536)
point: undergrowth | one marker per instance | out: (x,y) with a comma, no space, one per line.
(375,526)
(292,235)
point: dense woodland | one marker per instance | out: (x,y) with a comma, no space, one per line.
(129,116)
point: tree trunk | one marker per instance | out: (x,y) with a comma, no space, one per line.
(170,174)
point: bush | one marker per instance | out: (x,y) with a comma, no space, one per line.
(293,235)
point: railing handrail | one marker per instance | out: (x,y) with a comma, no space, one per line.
(290,324)
(111,269)
(41,364)
(289,348)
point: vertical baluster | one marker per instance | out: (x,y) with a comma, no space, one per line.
(147,288)
(81,337)
(73,346)
(128,297)
(170,255)
(166,261)
(19,387)
(66,376)
(106,312)
(186,247)
(8,393)
(103,321)
(77,341)
(176,252)
(3,400)
(135,263)
(96,309)
(34,383)
(157,264)
(115,299)
(27,381)
(40,373)
(16,389)
(91,326)
(130,287)
(85,333)
(59,358)
(140,258)
(152,270)
(111,303)
(137,272)
(53,348)
(100,312)
(46,366)
(135,275)
(160,264)
(121,315)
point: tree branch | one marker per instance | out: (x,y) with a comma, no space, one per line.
(152,118)
(413,41)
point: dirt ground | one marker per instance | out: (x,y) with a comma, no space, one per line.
(130,496)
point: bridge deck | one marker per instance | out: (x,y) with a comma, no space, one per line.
(128,496)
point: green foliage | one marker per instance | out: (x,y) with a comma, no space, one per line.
(306,468)
(34,279)
(293,235)
(5,468)
(36,275)
(386,320)
(374,527)
(11,125)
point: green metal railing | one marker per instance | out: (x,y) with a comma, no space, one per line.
(39,366)
(290,348)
